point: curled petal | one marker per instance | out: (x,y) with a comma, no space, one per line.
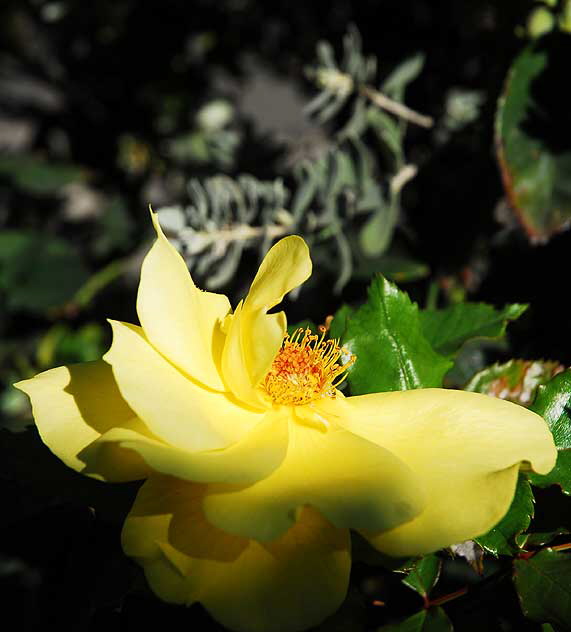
(286,585)
(467,449)
(254,337)
(180,320)
(250,459)
(175,408)
(234,368)
(351,481)
(73,407)
(286,265)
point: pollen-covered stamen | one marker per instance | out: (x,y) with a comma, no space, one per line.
(306,368)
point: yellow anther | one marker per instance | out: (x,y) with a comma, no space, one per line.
(306,368)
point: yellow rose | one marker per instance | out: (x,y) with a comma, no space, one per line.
(256,465)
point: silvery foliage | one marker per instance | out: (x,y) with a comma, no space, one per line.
(344,202)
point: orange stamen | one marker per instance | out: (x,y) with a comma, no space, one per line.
(306,368)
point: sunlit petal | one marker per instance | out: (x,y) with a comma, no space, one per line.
(234,366)
(73,406)
(465,447)
(248,460)
(254,337)
(351,481)
(286,265)
(175,408)
(180,320)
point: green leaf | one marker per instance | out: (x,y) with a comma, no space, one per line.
(533,149)
(553,403)
(396,265)
(432,620)
(339,323)
(516,380)
(392,353)
(387,130)
(375,235)
(38,272)
(449,328)
(406,72)
(542,538)
(503,538)
(424,575)
(36,176)
(559,475)
(543,583)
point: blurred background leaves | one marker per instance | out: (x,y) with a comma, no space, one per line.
(368,128)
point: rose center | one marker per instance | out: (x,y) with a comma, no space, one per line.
(307,367)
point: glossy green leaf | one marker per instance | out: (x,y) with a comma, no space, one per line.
(516,380)
(339,322)
(432,620)
(559,475)
(543,583)
(542,538)
(533,148)
(449,328)
(423,576)
(392,352)
(503,538)
(553,403)
(38,272)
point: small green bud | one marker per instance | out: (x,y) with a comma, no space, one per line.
(540,21)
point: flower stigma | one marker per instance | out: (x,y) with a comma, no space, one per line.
(306,368)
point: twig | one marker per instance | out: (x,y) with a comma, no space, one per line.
(396,108)
(406,174)
(446,598)
(561,547)
(197,241)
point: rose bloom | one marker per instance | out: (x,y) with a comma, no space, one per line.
(256,466)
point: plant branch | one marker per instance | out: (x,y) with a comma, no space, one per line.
(396,108)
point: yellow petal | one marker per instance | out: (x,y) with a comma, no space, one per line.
(73,406)
(180,320)
(254,337)
(247,461)
(352,482)
(175,408)
(465,447)
(234,368)
(287,585)
(106,459)
(286,265)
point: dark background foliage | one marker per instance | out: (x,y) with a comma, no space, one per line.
(93,97)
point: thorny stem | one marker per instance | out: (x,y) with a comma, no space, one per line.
(561,547)
(396,108)
(432,603)
(494,577)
